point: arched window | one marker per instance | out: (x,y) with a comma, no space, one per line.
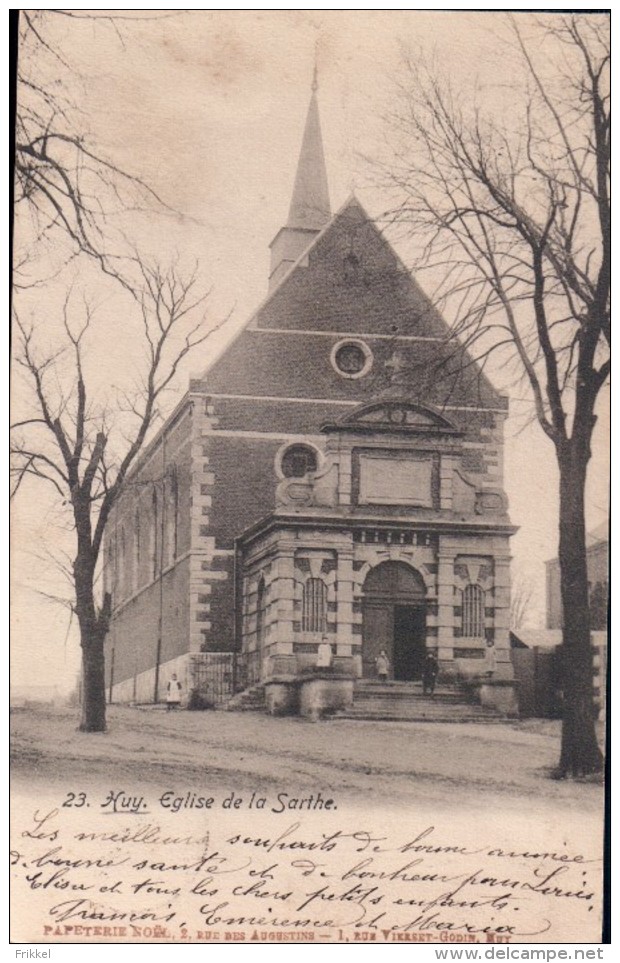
(395,581)
(122,565)
(172,516)
(260,612)
(298,460)
(137,555)
(110,566)
(314,606)
(473,612)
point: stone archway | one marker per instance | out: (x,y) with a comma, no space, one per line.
(394,619)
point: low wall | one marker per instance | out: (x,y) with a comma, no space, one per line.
(314,695)
(140,688)
(322,695)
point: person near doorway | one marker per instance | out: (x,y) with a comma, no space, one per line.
(173,693)
(430,672)
(383,666)
(324,654)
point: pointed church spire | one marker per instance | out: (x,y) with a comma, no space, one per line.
(310,208)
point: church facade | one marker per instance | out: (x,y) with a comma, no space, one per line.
(335,476)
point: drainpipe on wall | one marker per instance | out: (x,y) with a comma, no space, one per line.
(238,612)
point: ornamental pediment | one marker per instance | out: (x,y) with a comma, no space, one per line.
(394,415)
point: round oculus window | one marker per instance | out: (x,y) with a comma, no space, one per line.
(351,359)
(297,461)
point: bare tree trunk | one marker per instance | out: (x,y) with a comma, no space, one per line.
(93,627)
(580,753)
(93,683)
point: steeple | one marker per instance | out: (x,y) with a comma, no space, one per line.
(310,207)
(310,202)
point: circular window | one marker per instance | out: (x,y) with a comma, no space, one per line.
(297,461)
(351,359)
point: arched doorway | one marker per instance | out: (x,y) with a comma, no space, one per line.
(394,619)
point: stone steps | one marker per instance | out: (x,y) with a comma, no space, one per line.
(250,700)
(404,692)
(420,713)
(391,702)
(405,702)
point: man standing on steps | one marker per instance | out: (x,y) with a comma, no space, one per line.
(429,674)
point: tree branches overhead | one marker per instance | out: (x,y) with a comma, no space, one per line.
(82,445)
(507,196)
(70,189)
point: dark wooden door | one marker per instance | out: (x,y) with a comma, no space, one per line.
(378,627)
(409,648)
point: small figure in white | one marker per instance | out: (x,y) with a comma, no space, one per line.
(173,693)
(382,664)
(324,654)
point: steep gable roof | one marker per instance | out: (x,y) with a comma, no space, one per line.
(351,279)
(350,283)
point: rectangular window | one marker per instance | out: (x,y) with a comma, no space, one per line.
(314,606)
(473,612)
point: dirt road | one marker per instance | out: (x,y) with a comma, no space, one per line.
(407,761)
(339,828)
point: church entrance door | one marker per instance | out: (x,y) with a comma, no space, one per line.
(394,620)
(409,642)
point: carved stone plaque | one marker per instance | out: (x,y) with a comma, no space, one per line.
(395,481)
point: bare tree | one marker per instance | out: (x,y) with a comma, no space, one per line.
(512,208)
(65,188)
(521,595)
(79,437)
(83,444)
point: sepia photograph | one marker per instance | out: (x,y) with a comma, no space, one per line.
(310,443)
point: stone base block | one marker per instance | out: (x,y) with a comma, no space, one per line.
(345,665)
(282,664)
(322,695)
(504,671)
(468,668)
(501,695)
(282,697)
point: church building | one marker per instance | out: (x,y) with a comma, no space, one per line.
(335,476)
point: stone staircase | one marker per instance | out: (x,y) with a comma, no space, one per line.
(405,702)
(250,700)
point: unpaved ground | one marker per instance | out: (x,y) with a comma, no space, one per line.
(474,800)
(435,763)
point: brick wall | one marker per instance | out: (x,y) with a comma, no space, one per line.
(146,557)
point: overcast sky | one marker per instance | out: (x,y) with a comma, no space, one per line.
(209,108)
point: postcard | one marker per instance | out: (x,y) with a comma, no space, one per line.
(310,472)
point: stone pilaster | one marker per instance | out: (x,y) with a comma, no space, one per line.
(279,640)
(446,472)
(445,604)
(347,643)
(504,669)
(344,478)
(202,571)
